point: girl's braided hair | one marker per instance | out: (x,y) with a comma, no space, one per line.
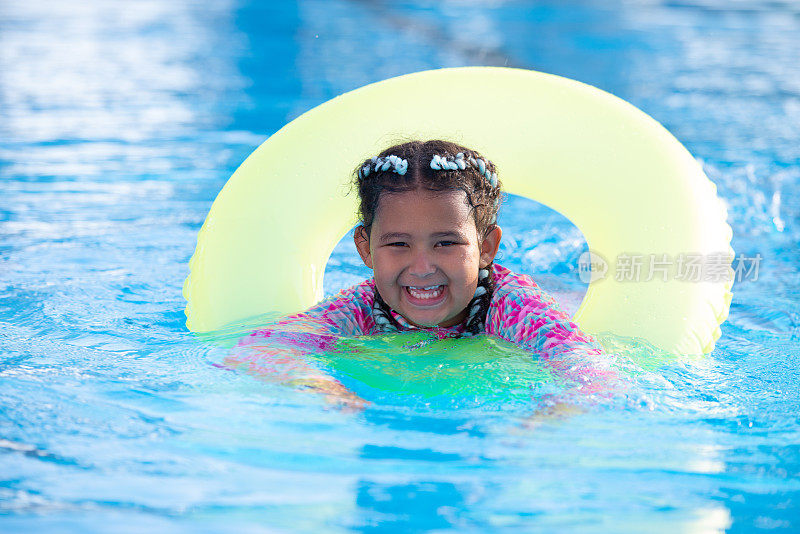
(433,165)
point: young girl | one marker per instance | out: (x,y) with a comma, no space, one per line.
(428,231)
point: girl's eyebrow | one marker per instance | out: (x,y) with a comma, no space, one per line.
(400,235)
(394,235)
(447,234)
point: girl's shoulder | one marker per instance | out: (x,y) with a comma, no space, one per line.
(359,296)
(347,313)
(518,290)
(506,280)
(363,289)
(524,313)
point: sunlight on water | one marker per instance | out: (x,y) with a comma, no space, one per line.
(119,124)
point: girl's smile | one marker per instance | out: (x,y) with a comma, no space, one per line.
(425,252)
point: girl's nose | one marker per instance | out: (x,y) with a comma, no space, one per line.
(421,264)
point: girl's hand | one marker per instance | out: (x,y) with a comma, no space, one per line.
(551,409)
(348,402)
(287,365)
(553,412)
(335,393)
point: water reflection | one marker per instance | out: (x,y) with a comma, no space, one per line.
(419,506)
(119,123)
(91,86)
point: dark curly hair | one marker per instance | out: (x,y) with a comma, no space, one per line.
(482,196)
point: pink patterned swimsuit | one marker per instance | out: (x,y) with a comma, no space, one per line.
(520,312)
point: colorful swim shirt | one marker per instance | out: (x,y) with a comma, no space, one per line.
(520,312)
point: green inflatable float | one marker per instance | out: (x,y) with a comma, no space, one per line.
(632,189)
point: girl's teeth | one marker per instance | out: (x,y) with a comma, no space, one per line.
(430,292)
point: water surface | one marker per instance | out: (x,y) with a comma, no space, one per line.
(119,123)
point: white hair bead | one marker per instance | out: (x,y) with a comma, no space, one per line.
(439,163)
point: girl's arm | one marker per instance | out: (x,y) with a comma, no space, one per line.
(530,318)
(527,316)
(283,352)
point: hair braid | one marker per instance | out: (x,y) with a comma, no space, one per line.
(433,165)
(479,305)
(382,314)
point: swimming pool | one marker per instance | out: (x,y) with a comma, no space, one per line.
(118,126)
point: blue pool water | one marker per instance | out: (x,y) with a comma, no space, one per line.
(120,122)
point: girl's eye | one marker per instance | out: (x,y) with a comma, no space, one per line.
(397,244)
(446,243)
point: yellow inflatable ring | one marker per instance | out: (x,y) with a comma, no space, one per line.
(617,174)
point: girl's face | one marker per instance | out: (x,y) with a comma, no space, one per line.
(425,252)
